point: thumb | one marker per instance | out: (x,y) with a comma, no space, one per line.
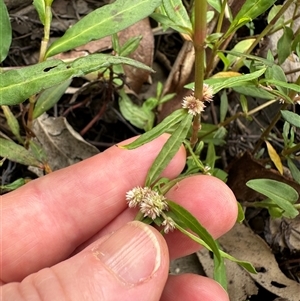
(131,264)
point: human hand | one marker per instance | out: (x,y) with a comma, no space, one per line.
(68,235)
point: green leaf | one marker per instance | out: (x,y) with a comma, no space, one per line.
(216,4)
(276,75)
(245,264)
(142,119)
(5,31)
(49,97)
(211,156)
(223,106)
(103,22)
(228,82)
(291,118)
(187,221)
(130,46)
(220,272)
(280,193)
(12,186)
(244,103)
(41,9)
(241,215)
(284,45)
(294,170)
(12,122)
(176,12)
(167,23)
(17,153)
(160,129)
(38,151)
(254,91)
(241,47)
(251,9)
(19,84)
(169,150)
(272,14)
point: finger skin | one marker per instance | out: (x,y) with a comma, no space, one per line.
(209,199)
(213,204)
(44,221)
(190,287)
(88,276)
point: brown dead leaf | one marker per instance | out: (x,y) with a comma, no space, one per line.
(61,143)
(247,168)
(135,77)
(243,244)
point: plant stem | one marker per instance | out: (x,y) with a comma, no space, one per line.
(266,132)
(266,30)
(43,49)
(45,41)
(199,45)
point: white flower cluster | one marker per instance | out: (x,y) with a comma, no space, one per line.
(196,106)
(151,204)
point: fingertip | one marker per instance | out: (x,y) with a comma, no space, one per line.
(191,287)
(211,202)
(210,199)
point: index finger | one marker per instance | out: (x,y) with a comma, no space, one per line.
(44,221)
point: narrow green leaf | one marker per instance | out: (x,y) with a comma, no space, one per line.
(266,62)
(142,119)
(38,151)
(188,221)
(130,46)
(169,150)
(294,170)
(241,47)
(49,97)
(241,215)
(211,155)
(17,153)
(41,9)
(252,9)
(103,22)
(18,85)
(5,31)
(223,106)
(220,272)
(245,264)
(12,122)
(176,12)
(244,103)
(12,186)
(272,14)
(160,129)
(291,118)
(216,4)
(280,193)
(254,91)
(228,82)
(276,75)
(284,45)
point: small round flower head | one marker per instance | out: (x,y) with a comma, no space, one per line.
(153,204)
(208,93)
(136,195)
(168,224)
(194,105)
(150,202)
